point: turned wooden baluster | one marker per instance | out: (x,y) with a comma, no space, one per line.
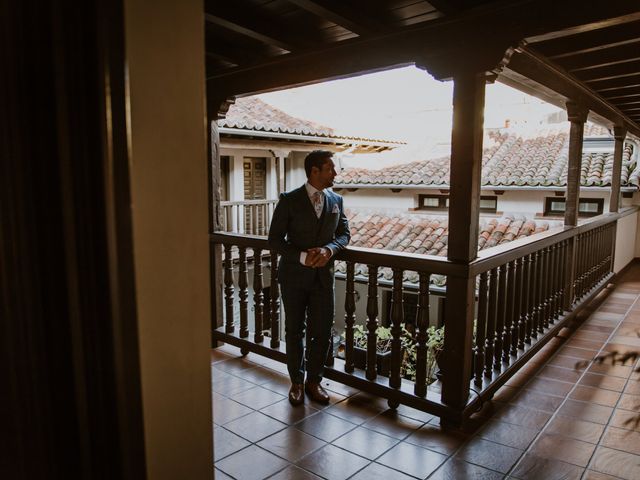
(258,295)
(349,318)
(526,297)
(500,313)
(518,339)
(275,301)
(553,295)
(228,288)
(564,276)
(481,328)
(509,317)
(422,324)
(489,346)
(546,289)
(372,322)
(535,293)
(397,317)
(243,292)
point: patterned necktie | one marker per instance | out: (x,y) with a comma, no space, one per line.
(317,203)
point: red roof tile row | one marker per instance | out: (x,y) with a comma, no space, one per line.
(511,160)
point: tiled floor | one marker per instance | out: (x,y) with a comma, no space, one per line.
(552,423)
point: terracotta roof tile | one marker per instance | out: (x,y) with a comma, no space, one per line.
(540,160)
(415,233)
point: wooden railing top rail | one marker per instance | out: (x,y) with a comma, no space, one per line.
(487,259)
(228,203)
(501,254)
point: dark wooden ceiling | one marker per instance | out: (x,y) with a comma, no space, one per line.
(559,50)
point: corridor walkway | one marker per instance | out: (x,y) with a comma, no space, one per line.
(551,421)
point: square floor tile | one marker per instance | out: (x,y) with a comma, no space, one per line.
(355,409)
(531,467)
(603,381)
(255,426)
(527,417)
(392,424)
(366,443)
(620,439)
(333,463)
(629,402)
(550,386)
(560,374)
(600,396)
(324,426)
(592,475)
(625,419)
(252,463)
(293,472)
(489,455)
(437,438)
(375,471)
(287,413)
(508,434)
(458,470)
(537,401)
(564,449)
(227,410)
(258,397)
(291,444)
(617,463)
(225,443)
(412,460)
(586,411)
(574,428)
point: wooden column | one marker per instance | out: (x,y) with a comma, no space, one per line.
(619,133)
(464,200)
(577,116)
(216,109)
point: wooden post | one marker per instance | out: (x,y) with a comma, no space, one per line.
(619,133)
(216,109)
(577,116)
(464,200)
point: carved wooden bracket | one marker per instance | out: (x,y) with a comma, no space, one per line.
(619,133)
(217,107)
(577,112)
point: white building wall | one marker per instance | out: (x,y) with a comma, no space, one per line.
(625,241)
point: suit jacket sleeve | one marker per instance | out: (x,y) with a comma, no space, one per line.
(342,234)
(278,231)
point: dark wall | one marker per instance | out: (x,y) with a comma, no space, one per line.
(68,355)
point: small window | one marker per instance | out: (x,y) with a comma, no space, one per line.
(488,204)
(587,207)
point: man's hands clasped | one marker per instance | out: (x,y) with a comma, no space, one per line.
(317,257)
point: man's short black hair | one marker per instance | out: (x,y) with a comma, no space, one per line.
(317,159)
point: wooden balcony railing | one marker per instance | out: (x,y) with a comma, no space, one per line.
(250,217)
(526,291)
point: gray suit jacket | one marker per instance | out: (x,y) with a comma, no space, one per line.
(295,228)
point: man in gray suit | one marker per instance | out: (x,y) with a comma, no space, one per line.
(308,228)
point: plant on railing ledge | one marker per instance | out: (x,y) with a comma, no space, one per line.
(435,342)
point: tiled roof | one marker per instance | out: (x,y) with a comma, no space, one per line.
(420,234)
(511,160)
(251,113)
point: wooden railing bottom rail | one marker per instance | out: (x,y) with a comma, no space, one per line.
(403,395)
(491,385)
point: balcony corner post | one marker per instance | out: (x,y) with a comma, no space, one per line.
(619,134)
(466,164)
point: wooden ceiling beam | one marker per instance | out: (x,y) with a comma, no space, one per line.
(340,13)
(527,64)
(248,32)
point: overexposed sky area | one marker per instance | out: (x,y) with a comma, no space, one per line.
(404,104)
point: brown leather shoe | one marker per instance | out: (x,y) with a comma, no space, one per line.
(296,394)
(316,392)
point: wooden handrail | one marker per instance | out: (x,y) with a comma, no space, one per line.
(234,203)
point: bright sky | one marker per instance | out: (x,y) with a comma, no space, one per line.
(404,104)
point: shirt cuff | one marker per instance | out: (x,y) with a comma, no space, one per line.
(303,257)
(333,252)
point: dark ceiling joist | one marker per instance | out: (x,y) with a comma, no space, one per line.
(584,27)
(340,13)
(448,7)
(588,41)
(618,70)
(249,32)
(614,84)
(601,58)
(528,65)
